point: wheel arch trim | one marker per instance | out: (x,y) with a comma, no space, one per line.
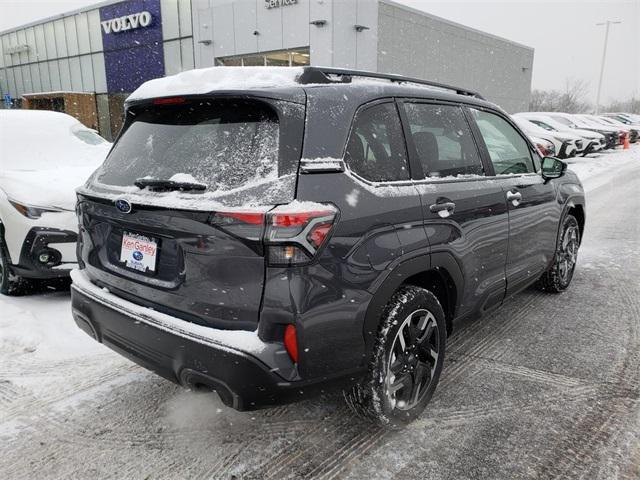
(437,262)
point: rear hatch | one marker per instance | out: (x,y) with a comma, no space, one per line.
(174,219)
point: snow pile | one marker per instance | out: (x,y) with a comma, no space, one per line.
(205,80)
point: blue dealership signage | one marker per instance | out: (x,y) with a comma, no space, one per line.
(132,42)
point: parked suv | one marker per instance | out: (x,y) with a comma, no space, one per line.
(273,233)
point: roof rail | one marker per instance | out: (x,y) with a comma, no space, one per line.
(322,75)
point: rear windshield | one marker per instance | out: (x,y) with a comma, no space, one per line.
(225,144)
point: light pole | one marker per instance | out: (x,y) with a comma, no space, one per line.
(608,23)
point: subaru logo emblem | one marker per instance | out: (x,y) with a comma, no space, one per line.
(123,206)
(137,255)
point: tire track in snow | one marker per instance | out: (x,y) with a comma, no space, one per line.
(8,393)
(71,389)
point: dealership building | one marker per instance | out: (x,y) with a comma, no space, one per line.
(87,61)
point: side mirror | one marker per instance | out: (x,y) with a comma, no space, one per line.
(553,168)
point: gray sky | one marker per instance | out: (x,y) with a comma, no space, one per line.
(567,42)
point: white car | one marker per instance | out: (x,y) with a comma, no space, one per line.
(44,156)
(609,136)
(632,130)
(565,143)
(591,141)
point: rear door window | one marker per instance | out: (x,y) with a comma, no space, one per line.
(226,145)
(443,140)
(376,148)
(508,150)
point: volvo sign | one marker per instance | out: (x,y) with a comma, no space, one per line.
(127,22)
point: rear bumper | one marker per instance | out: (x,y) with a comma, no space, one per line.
(183,353)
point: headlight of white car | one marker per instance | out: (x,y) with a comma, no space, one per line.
(31,211)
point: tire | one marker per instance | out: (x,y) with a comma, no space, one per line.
(407,360)
(10,284)
(558,276)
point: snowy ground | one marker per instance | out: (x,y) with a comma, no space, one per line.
(547,387)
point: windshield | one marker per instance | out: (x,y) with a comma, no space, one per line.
(581,123)
(541,124)
(564,121)
(87,136)
(590,122)
(529,127)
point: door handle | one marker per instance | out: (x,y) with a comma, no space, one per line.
(443,209)
(514,197)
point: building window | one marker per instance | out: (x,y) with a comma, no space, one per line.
(279,58)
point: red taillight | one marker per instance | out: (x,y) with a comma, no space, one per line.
(543,150)
(294,237)
(249,225)
(248,217)
(291,342)
(297,219)
(290,237)
(169,101)
(319,233)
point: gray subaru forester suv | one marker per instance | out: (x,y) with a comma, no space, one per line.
(317,229)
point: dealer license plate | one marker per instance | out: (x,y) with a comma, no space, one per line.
(139,252)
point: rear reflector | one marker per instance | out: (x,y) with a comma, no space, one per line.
(291,342)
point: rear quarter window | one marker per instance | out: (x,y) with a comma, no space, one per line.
(376,148)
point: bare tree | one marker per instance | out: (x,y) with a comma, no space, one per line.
(571,100)
(629,106)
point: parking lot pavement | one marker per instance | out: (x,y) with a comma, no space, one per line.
(546,387)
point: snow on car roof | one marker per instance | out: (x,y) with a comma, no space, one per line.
(41,139)
(47,117)
(205,80)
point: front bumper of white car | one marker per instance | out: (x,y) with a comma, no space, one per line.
(44,247)
(593,145)
(567,150)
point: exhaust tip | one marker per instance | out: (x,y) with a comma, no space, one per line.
(199,382)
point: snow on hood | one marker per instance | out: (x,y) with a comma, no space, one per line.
(45,188)
(205,80)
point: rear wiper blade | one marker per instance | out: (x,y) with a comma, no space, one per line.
(168,185)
